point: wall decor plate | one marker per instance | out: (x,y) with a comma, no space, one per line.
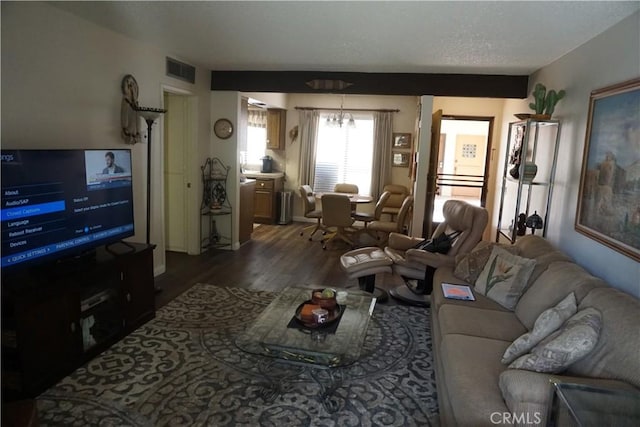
(223,128)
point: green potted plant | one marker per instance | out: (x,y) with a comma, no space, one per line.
(545,102)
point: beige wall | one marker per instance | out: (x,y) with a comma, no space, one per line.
(61,80)
(610,58)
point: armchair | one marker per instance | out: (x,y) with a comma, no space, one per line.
(367,218)
(389,227)
(342,187)
(418,264)
(310,211)
(336,214)
(398,194)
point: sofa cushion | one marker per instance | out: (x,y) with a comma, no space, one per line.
(543,262)
(471,368)
(616,355)
(479,322)
(470,265)
(577,337)
(538,248)
(532,246)
(445,274)
(504,277)
(553,285)
(548,321)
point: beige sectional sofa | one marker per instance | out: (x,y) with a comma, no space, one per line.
(470,337)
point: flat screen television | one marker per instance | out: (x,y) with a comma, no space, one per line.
(59,204)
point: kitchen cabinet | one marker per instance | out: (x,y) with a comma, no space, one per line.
(276,128)
(265,200)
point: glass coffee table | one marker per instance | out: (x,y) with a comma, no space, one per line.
(585,405)
(279,338)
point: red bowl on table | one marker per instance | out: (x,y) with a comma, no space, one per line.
(328,303)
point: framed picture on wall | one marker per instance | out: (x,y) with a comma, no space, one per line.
(401,140)
(400,159)
(609,197)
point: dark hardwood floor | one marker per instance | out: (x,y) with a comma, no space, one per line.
(275,257)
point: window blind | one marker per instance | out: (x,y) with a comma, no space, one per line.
(344,154)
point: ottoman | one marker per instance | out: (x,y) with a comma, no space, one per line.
(364,264)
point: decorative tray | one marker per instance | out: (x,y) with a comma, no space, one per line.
(332,317)
(524,116)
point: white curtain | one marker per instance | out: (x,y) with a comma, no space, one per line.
(258,118)
(308,122)
(382,142)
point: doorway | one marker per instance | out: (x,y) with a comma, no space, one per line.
(178,175)
(463,161)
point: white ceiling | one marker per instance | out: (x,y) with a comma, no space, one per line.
(484,37)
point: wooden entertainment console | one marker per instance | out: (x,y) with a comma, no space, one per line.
(57,317)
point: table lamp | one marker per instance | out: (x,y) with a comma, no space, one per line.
(534,222)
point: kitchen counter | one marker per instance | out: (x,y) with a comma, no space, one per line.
(263,175)
(247,195)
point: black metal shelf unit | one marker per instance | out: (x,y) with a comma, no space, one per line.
(215,203)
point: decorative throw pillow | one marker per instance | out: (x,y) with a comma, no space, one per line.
(577,337)
(504,277)
(547,322)
(470,265)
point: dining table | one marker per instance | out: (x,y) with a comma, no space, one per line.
(355,199)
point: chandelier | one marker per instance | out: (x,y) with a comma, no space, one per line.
(338,119)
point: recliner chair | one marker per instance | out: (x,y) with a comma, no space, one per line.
(412,263)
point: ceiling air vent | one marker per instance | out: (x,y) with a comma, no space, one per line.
(181,71)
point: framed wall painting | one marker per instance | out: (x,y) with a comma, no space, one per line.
(400,159)
(401,140)
(609,195)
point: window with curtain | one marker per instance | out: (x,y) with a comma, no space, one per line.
(256,137)
(344,154)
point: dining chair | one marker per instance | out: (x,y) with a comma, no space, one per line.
(367,218)
(346,188)
(398,193)
(336,214)
(397,226)
(310,211)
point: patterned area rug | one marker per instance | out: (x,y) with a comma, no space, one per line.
(183,369)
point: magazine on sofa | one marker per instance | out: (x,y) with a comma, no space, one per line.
(462,292)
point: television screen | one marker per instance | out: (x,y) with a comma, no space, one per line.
(60,203)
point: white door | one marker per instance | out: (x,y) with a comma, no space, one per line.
(469,160)
(175,172)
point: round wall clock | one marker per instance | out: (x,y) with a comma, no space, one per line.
(223,128)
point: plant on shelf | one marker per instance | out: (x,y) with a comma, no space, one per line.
(545,102)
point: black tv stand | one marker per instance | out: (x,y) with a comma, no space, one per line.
(57,317)
(88,256)
(129,248)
